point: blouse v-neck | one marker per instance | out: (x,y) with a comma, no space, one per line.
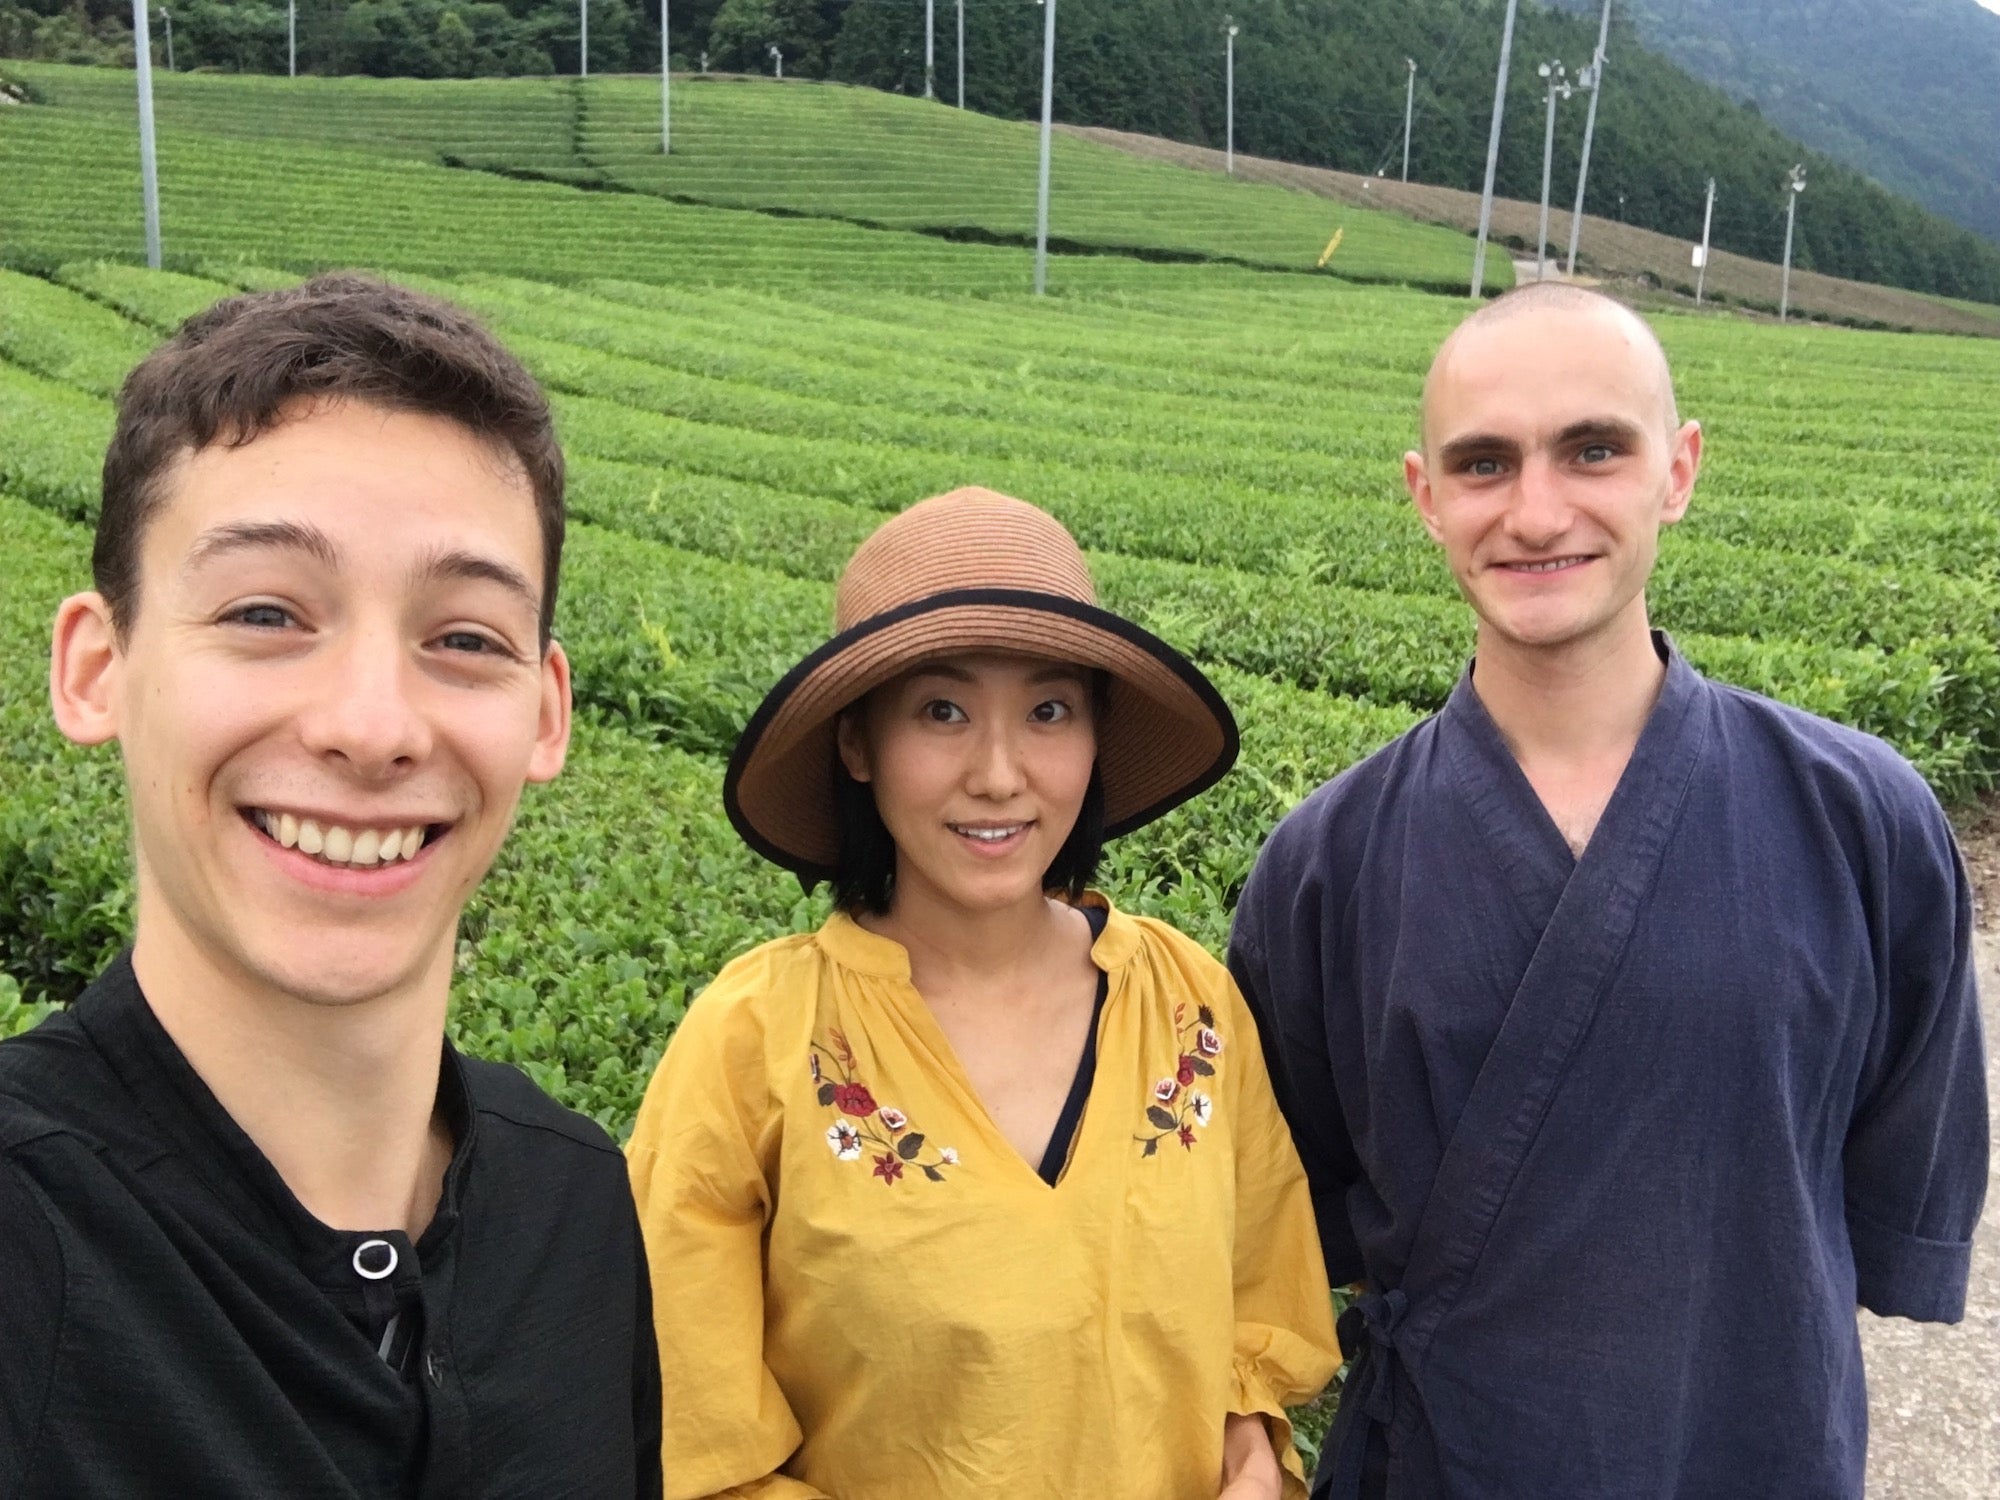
(890,960)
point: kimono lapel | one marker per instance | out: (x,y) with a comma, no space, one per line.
(1594,912)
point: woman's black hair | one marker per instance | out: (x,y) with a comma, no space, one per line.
(864,876)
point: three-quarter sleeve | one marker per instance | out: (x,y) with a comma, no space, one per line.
(697,1160)
(1916,1154)
(1285,1348)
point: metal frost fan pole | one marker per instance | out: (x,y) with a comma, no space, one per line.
(1409,108)
(1042,183)
(1229,69)
(1701,260)
(1795,184)
(1558,88)
(1493,149)
(1593,79)
(149,168)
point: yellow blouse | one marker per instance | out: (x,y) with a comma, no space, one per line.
(863,1291)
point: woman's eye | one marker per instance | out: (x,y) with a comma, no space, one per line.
(943,711)
(261,616)
(1054,711)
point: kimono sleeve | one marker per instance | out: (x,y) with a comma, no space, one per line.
(1285,1349)
(1288,1010)
(697,1165)
(1915,1158)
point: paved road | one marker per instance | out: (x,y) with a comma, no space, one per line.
(1934,1392)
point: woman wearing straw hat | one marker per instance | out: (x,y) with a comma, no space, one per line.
(979,1190)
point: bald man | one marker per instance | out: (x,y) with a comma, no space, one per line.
(1625,1021)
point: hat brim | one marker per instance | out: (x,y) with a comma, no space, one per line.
(1166,735)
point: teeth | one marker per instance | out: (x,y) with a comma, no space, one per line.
(333,844)
(991,835)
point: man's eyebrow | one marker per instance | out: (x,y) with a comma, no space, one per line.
(1477,445)
(244,536)
(455,563)
(1599,430)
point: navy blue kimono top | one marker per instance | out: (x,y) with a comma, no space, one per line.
(1618,1143)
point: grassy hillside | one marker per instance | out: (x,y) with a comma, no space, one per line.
(819,151)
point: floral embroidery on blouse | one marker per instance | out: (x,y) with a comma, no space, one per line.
(1179,1108)
(866,1124)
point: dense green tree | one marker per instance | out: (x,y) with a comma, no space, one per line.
(743,31)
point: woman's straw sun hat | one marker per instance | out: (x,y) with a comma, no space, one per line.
(965,572)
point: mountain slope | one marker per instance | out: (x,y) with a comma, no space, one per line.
(1321,83)
(1909,93)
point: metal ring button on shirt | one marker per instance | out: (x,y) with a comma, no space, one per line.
(374,1260)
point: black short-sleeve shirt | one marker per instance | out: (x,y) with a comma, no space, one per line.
(175,1323)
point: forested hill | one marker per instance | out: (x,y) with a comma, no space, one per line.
(1322,82)
(1317,81)
(1909,91)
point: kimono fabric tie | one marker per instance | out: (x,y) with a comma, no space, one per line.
(1368,1339)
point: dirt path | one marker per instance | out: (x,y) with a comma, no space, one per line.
(1934,1391)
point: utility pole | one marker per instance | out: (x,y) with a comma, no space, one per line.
(930,7)
(1048,115)
(666,82)
(168,16)
(1558,88)
(1795,184)
(1493,150)
(1701,264)
(149,166)
(778,58)
(583,39)
(1409,107)
(291,38)
(1593,79)
(961,54)
(1229,71)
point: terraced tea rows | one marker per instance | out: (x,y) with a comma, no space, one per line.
(824,152)
(744,398)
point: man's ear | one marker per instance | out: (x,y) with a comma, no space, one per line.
(1416,476)
(1683,464)
(852,742)
(85,659)
(552,726)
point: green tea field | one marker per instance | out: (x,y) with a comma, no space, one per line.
(744,396)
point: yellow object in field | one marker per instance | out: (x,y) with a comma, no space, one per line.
(1331,246)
